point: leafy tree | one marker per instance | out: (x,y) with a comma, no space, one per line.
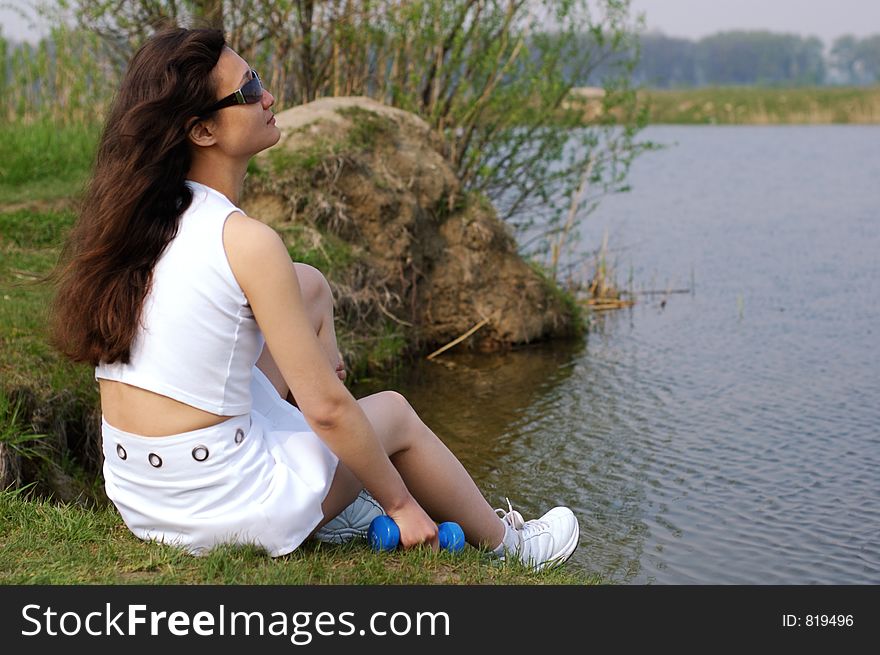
(855,61)
(731,58)
(843,58)
(869,55)
(493,76)
(760,58)
(666,62)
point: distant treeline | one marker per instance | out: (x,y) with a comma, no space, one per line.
(756,58)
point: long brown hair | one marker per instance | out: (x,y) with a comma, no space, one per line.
(136,196)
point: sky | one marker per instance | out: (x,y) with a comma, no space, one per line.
(827,19)
(691,19)
(13,26)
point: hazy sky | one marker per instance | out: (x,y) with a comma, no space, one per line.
(13,26)
(826,19)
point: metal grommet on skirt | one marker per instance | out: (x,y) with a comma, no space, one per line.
(121,451)
(200,453)
(239,435)
(155,460)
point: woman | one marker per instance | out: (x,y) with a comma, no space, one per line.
(200,327)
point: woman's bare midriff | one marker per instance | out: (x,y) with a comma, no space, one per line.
(142,412)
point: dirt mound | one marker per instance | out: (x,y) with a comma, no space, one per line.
(364,192)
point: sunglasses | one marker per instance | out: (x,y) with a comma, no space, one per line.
(251,93)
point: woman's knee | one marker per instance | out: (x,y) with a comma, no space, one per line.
(405,417)
(397,403)
(392,417)
(314,286)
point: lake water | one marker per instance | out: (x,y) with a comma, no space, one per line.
(730,435)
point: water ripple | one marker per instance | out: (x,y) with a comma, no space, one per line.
(733,435)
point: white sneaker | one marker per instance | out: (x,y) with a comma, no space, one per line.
(352,522)
(546,542)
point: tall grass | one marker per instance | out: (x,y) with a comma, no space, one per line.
(69,77)
(40,391)
(765,106)
(45,159)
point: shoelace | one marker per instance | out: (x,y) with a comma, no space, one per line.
(513,518)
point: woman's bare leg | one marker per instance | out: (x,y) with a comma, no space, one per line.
(318,301)
(433,475)
(343,490)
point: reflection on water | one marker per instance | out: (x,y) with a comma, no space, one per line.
(729,436)
(478,403)
(523,427)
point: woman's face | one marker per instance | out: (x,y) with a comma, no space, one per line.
(242,130)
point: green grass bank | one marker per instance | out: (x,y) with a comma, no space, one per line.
(49,543)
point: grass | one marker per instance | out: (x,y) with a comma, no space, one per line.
(14,435)
(40,391)
(368,127)
(379,349)
(315,247)
(29,245)
(44,161)
(50,543)
(764,106)
(304,160)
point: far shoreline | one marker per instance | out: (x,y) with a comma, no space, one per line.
(751,105)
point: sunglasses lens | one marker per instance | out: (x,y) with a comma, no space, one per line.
(253,90)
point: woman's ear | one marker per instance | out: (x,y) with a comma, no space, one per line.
(201,132)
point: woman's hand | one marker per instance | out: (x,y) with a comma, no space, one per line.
(340,368)
(416,527)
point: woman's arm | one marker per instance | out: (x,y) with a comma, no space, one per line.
(265,272)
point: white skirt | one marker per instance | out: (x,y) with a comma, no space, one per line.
(253,479)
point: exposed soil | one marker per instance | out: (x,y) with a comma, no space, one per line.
(422,256)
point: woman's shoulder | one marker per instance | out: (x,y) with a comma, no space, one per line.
(245,232)
(250,243)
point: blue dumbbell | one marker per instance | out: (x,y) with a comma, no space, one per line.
(384,534)
(451,536)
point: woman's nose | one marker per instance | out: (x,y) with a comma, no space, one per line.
(268,99)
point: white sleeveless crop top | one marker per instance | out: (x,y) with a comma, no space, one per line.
(198,340)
